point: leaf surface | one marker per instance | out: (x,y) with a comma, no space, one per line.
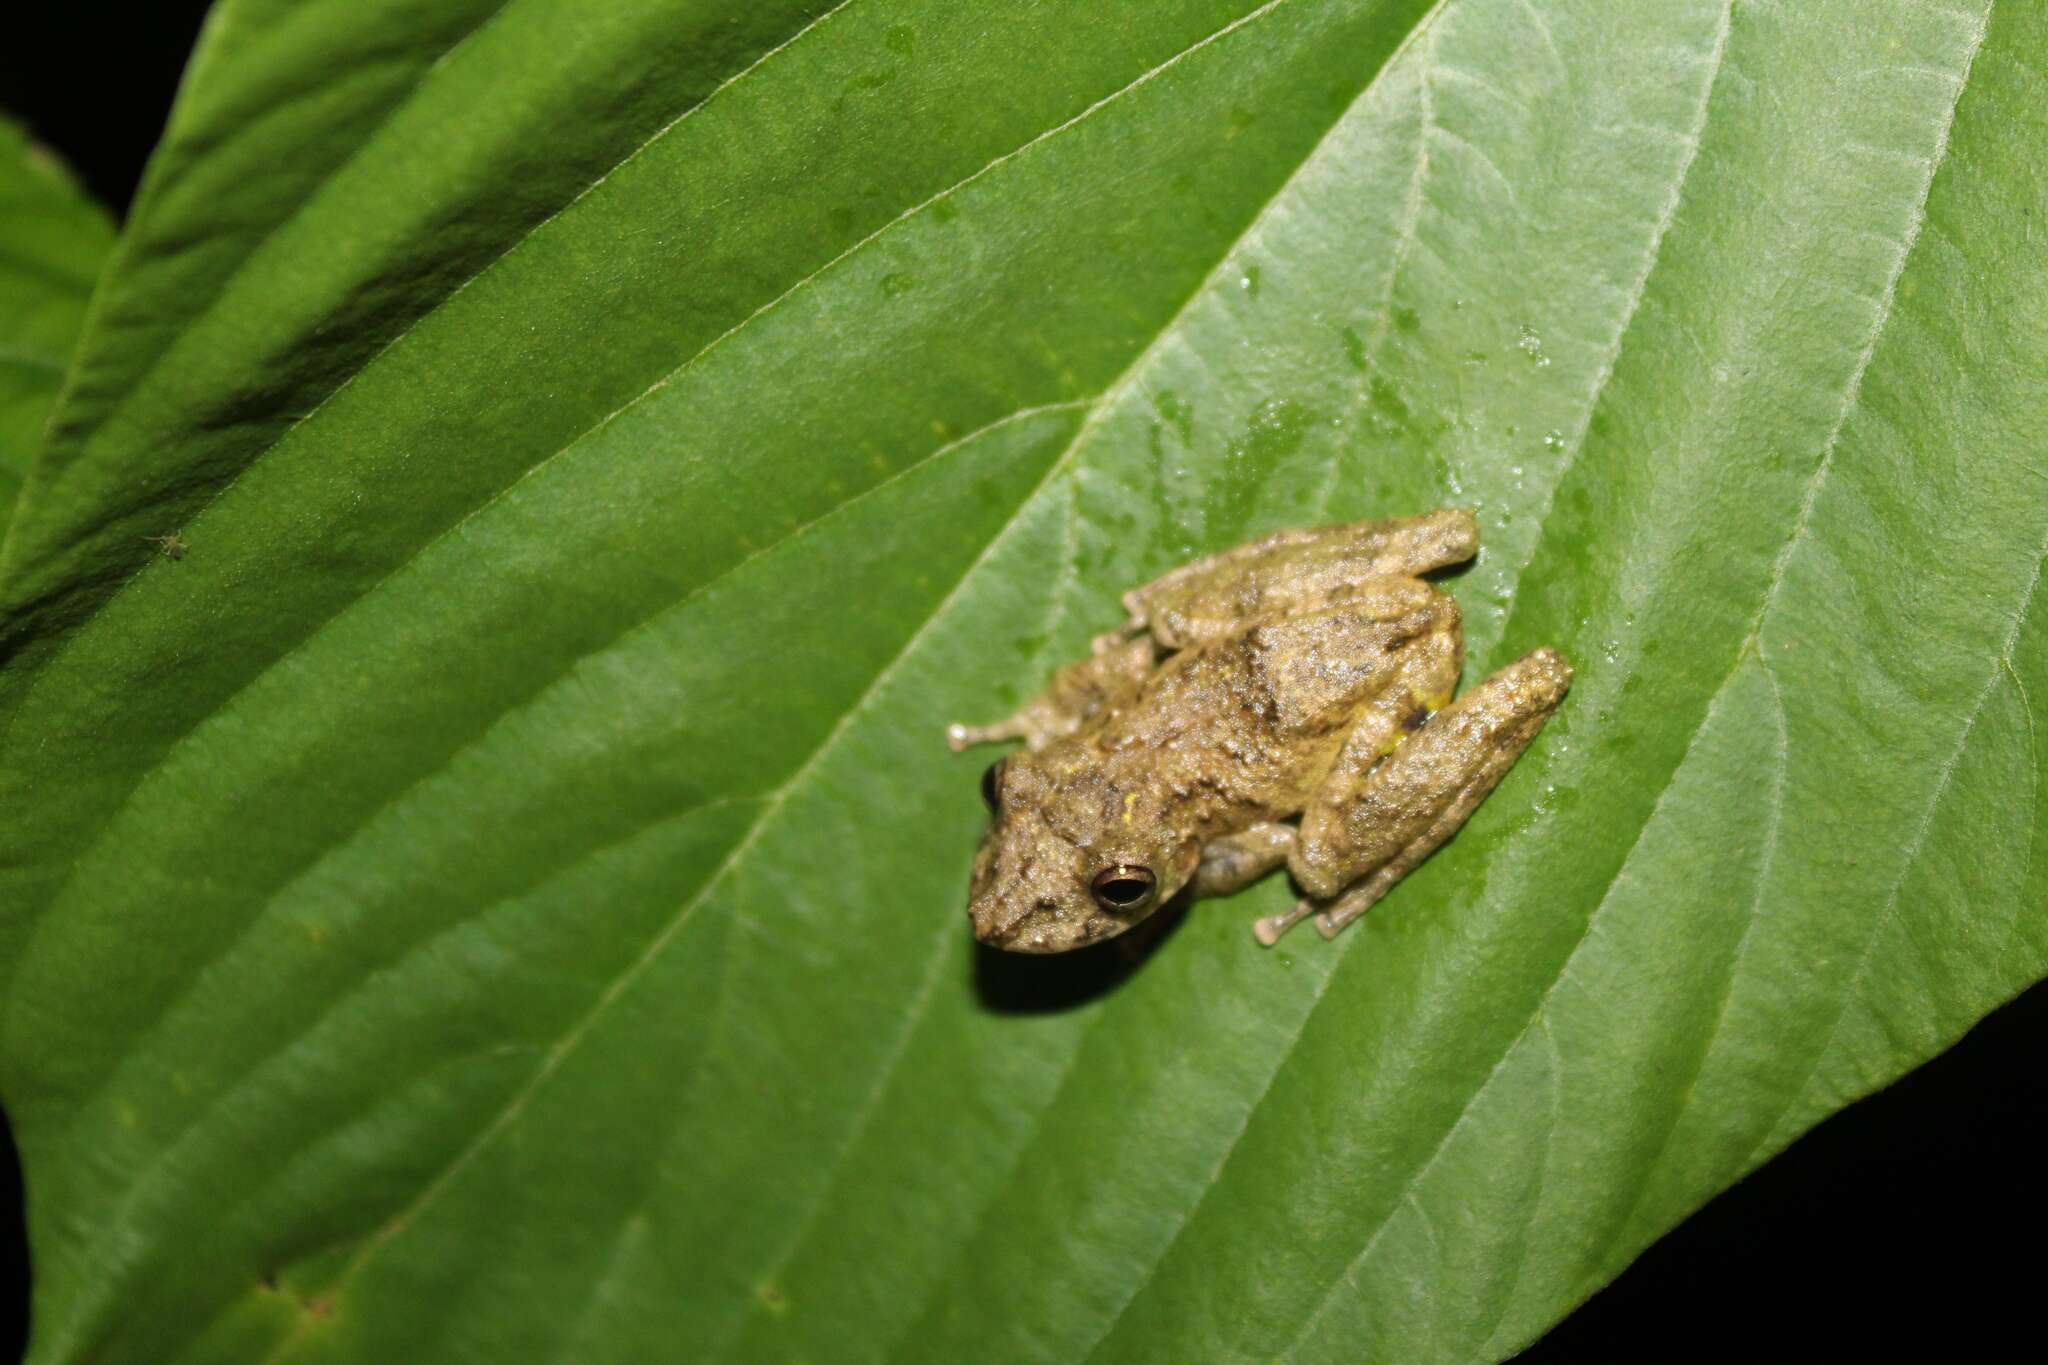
(53,240)
(498,895)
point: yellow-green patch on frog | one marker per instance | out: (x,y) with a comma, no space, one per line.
(1285,702)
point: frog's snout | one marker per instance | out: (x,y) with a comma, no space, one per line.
(997,921)
(1017,930)
(1021,919)
(1037,927)
(1039,923)
(1028,892)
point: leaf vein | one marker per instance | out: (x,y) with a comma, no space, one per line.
(532,470)
(1554,1124)
(1944,774)
(19,263)
(1773,823)
(1691,141)
(1537,1019)
(391,803)
(29,360)
(443,302)
(869,1106)
(1208,1187)
(2012,932)
(1423,34)
(556,1055)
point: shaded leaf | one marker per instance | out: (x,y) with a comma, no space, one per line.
(53,240)
(498,895)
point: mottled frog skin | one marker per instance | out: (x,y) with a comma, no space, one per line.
(1285,702)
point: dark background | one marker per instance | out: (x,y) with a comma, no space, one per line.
(1909,1221)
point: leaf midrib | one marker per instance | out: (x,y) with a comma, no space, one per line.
(1595,396)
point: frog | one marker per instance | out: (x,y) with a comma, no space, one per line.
(1290,702)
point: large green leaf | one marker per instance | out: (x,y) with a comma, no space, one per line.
(499,895)
(53,240)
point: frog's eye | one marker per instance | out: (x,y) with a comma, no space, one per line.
(992,785)
(1122,889)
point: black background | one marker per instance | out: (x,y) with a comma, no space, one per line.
(1910,1221)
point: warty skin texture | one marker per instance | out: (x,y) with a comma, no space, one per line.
(1285,702)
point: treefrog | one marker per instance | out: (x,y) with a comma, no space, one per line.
(1285,702)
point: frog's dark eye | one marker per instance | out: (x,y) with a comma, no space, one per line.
(1122,889)
(992,785)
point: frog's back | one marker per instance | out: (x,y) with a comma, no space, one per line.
(1240,729)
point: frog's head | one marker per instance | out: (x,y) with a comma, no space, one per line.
(1042,885)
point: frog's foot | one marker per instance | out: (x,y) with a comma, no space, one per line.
(1362,897)
(960,737)
(1330,916)
(1268,929)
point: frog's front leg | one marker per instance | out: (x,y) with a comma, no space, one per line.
(1078,692)
(1367,829)
(1238,860)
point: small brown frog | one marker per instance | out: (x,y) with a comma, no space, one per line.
(1288,701)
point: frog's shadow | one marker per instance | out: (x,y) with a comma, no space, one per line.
(1053,983)
(1451,573)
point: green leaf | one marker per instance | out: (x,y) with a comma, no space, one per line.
(53,240)
(498,895)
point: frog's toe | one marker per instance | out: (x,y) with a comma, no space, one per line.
(960,737)
(1268,929)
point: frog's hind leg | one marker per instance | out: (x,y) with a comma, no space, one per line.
(1359,838)
(1292,572)
(1422,685)
(1078,692)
